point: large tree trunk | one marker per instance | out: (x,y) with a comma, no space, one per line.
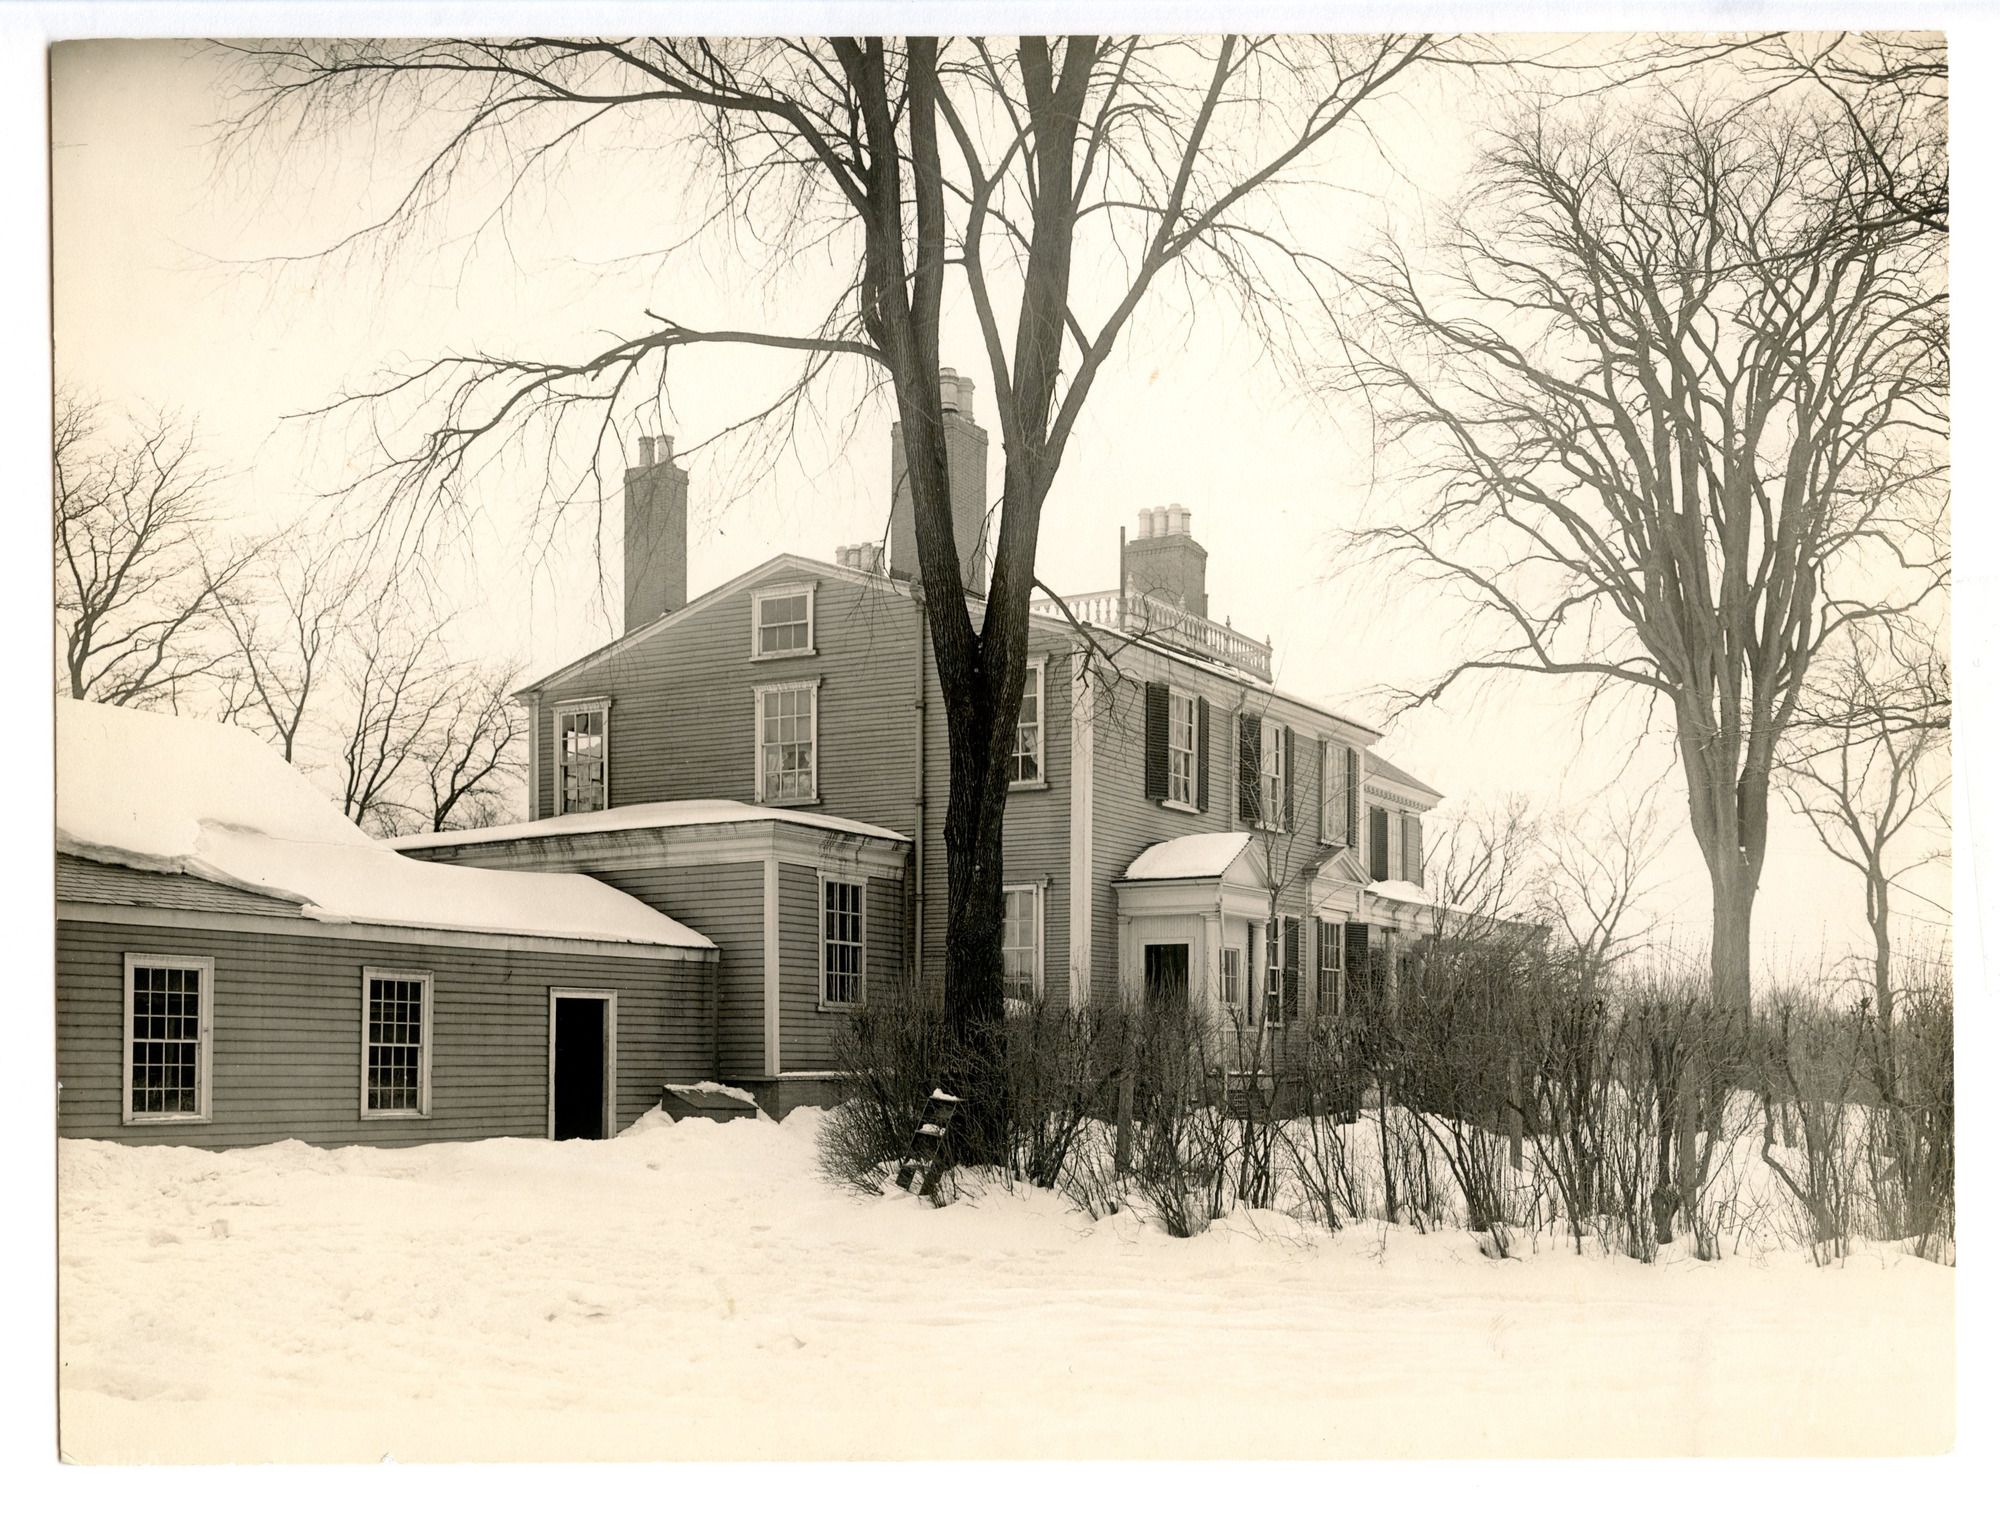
(1729,810)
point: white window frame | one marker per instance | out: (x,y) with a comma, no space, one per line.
(1229,968)
(1271,777)
(827,878)
(1188,802)
(757,742)
(1037,677)
(810,591)
(1335,933)
(610,1000)
(602,706)
(204,1034)
(1035,893)
(426,1032)
(1396,815)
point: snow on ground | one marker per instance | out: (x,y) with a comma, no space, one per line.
(695,1290)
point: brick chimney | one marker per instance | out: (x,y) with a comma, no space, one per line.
(656,534)
(1164,560)
(965,459)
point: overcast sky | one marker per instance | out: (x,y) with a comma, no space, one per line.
(166,295)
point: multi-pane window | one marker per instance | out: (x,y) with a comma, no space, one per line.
(1020,944)
(1180,748)
(1329,967)
(1027,765)
(784,623)
(397,1044)
(1232,977)
(787,743)
(841,937)
(1274,971)
(167,1026)
(1271,772)
(581,739)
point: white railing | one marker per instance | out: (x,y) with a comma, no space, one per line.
(1149,616)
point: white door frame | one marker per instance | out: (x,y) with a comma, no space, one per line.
(610,1000)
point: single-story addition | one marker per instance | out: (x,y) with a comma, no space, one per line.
(808,909)
(237,963)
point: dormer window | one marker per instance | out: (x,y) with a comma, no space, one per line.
(781,622)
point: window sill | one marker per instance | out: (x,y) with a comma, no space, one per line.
(1027,785)
(775,658)
(395,1116)
(1191,810)
(796,803)
(165,1119)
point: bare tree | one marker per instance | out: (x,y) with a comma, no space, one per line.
(1678,382)
(286,624)
(390,688)
(903,164)
(468,749)
(136,590)
(1868,764)
(1593,876)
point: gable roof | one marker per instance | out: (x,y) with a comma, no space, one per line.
(787,562)
(793,563)
(173,796)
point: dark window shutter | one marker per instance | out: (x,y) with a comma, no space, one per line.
(1378,843)
(1291,982)
(1355,958)
(1291,783)
(1323,783)
(1249,750)
(1201,754)
(1353,818)
(1156,742)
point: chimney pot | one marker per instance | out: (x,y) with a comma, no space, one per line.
(645,452)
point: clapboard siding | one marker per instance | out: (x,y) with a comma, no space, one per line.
(1128,823)
(803,1036)
(286,1056)
(683,709)
(725,903)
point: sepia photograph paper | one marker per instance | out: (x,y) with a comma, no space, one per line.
(1156,745)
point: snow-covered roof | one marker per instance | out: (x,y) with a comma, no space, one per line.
(175,796)
(1401,890)
(1199,856)
(652,814)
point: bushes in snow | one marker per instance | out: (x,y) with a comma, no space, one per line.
(1486,1091)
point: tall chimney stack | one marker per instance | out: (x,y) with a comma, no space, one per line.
(965,464)
(1164,560)
(656,496)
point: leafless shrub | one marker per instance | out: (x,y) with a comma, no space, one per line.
(1062,1066)
(891,1053)
(1812,1060)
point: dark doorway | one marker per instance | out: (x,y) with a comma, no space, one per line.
(579,1071)
(1166,974)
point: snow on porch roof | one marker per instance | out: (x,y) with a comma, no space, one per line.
(175,796)
(1201,856)
(636,818)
